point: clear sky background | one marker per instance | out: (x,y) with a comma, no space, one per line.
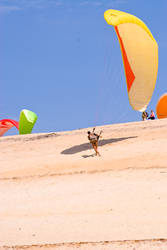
(60,59)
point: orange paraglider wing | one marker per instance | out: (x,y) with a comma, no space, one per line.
(161,108)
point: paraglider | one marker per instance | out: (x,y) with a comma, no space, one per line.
(7,124)
(25,124)
(140,56)
(161,108)
(26,121)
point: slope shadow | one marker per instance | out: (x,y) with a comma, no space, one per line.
(86,146)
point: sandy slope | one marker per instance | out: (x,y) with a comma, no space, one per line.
(55,194)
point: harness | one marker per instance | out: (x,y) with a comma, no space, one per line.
(93,137)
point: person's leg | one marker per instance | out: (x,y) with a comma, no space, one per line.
(94,147)
(97,152)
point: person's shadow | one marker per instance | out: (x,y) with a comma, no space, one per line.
(86,146)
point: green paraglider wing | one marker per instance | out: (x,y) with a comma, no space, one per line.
(27,121)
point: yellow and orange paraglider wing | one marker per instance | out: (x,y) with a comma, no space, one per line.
(140,56)
(161,108)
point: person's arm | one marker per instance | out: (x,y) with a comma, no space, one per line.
(100,133)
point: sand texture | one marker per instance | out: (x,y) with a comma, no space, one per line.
(56,194)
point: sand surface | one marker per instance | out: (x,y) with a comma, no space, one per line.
(55,194)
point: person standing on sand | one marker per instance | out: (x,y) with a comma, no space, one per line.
(94,138)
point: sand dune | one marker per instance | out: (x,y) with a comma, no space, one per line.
(55,194)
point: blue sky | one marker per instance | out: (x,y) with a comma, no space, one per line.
(60,59)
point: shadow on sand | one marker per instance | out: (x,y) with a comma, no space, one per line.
(86,146)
